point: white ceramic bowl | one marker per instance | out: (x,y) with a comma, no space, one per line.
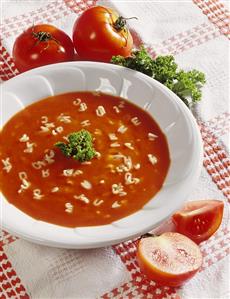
(173,117)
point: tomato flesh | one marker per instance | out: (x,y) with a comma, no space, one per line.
(170,259)
(40,45)
(199,220)
(95,37)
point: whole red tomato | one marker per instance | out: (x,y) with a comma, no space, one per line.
(40,45)
(170,259)
(99,33)
(199,219)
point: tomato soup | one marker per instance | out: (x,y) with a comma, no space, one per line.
(130,166)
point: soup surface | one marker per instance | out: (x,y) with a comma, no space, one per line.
(130,167)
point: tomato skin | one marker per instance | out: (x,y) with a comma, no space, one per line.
(29,52)
(200,219)
(158,268)
(95,37)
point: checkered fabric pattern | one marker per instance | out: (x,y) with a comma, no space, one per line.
(197,33)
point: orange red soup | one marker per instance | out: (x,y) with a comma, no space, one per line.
(130,167)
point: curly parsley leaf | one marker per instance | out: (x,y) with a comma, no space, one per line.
(139,61)
(79,146)
(186,85)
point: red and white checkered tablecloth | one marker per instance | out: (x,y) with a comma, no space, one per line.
(197,33)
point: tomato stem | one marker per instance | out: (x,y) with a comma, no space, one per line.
(43,36)
(120,23)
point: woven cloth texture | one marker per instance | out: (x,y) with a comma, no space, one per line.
(197,34)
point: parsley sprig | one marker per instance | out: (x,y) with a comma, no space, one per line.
(187,85)
(79,146)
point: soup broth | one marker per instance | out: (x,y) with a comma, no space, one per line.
(130,166)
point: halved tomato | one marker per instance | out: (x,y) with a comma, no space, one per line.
(200,219)
(170,259)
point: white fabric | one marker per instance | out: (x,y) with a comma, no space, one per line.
(58,273)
